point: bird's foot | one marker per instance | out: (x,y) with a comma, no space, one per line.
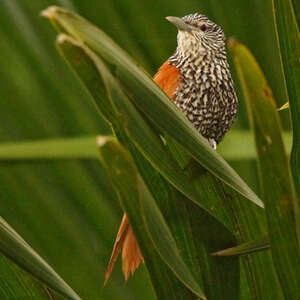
(213,143)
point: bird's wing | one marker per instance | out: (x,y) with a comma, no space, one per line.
(168,78)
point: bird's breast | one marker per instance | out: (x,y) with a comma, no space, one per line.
(206,96)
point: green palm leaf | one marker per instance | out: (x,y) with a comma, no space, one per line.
(278,190)
(13,246)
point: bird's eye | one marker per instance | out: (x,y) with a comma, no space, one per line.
(203,27)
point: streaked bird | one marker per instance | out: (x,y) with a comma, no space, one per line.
(197,78)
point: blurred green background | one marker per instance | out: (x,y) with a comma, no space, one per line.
(67,210)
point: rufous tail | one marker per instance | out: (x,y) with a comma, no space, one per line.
(131,254)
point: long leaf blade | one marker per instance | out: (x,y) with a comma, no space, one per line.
(288,37)
(68,148)
(277,184)
(245,248)
(13,246)
(119,163)
(238,145)
(163,239)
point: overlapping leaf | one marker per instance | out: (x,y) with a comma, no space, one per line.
(245,248)
(123,114)
(237,145)
(149,98)
(133,193)
(286,19)
(130,124)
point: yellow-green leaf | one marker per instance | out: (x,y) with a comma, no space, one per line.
(276,180)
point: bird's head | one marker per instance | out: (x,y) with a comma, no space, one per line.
(196,33)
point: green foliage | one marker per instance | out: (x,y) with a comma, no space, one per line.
(137,200)
(64,203)
(276,180)
(286,19)
(246,248)
(162,160)
(13,246)
(146,95)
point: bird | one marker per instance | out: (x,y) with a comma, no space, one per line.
(197,79)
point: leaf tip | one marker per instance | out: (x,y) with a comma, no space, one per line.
(102,140)
(64,38)
(49,12)
(61,38)
(284,106)
(216,253)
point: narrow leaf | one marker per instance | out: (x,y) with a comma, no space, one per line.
(245,248)
(238,145)
(14,247)
(67,148)
(276,179)
(15,283)
(284,106)
(130,186)
(288,37)
(163,239)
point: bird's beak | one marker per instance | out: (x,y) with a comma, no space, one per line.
(179,23)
